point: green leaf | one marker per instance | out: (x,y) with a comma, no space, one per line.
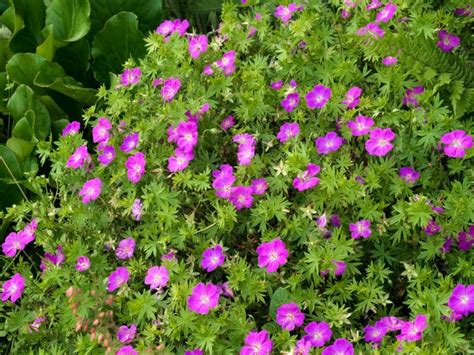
(74,58)
(143,306)
(23,129)
(20,102)
(23,68)
(3,93)
(32,12)
(10,194)
(119,40)
(9,165)
(280,296)
(70,19)
(5,53)
(20,147)
(47,49)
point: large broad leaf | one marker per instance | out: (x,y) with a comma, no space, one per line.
(22,68)
(11,21)
(20,102)
(147,11)
(32,12)
(9,165)
(55,112)
(74,58)
(20,147)
(47,48)
(119,40)
(70,19)
(10,193)
(23,129)
(5,53)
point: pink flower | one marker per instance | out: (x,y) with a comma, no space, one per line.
(126,350)
(257,343)
(13,288)
(259,186)
(461,300)
(340,267)
(307,179)
(432,227)
(360,229)
(168,27)
(361,125)
(170,88)
(372,29)
(448,41)
(245,153)
(91,190)
(208,71)
(331,142)
(291,101)
(318,333)
(227,63)
(352,97)
(157,276)
(78,158)
(288,131)
(197,46)
(318,97)
(410,98)
(117,278)
(28,233)
(180,160)
(388,61)
(83,263)
(409,174)
(187,135)
(130,76)
(241,197)
(413,331)
(129,143)
(135,165)
(212,258)
(340,346)
(36,324)
(227,123)
(203,298)
(376,332)
(379,142)
(71,129)
(126,334)
(125,249)
(54,259)
(180,26)
(223,181)
(13,242)
(100,133)
(194,352)
(137,209)
(456,142)
(345,14)
(272,255)
(386,14)
(107,156)
(165,28)
(375,4)
(284,13)
(466,240)
(289,316)
(276,85)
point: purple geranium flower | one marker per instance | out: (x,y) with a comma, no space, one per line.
(107,155)
(318,333)
(100,133)
(241,197)
(372,29)
(410,95)
(287,131)
(117,278)
(466,240)
(78,158)
(180,160)
(379,142)
(54,259)
(291,101)
(130,76)
(340,346)
(361,125)
(129,143)
(194,352)
(13,288)
(375,333)
(212,258)
(413,331)
(455,143)
(388,61)
(352,97)
(340,267)
(83,263)
(204,297)
(461,300)
(448,41)
(409,174)
(137,209)
(157,276)
(318,97)
(307,179)
(284,13)
(126,350)
(289,316)
(187,135)
(386,14)
(259,186)
(71,128)
(197,46)
(126,334)
(277,85)
(135,165)
(13,242)
(331,142)
(91,190)
(227,63)
(228,122)
(257,343)
(272,255)
(125,249)
(432,227)
(170,88)
(360,229)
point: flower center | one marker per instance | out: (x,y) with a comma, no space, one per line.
(273,256)
(204,299)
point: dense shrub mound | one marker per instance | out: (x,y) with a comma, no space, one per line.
(301,180)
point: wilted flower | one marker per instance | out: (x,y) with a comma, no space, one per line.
(54,259)
(410,95)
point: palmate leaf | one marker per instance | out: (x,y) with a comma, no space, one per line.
(143,307)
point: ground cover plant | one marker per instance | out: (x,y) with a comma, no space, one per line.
(298,181)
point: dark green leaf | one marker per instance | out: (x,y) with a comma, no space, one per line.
(70,19)
(48,47)
(20,147)
(280,296)
(23,129)
(9,165)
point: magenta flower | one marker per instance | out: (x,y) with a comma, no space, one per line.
(257,343)
(78,158)
(361,125)
(318,333)
(187,135)
(71,129)
(345,14)
(13,288)
(83,263)
(291,101)
(180,160)
(194,352)
(245,153)
(352,97)
(227,123)
(137,209)
(204,297)
(360,229)
(277,85)
(455,143)
(318,97)
(466,240)
(303,346)
(331,142)
(180,26)
(446,248)
(432,227)
(410,95)
(259,186)
(135,165)
(388,61)
(126,334)
(100,133)
(413,331)
(340,267)
(54,259)
(375,333)
(289,316)
(386,14)
(409,174)
(165,28)
(272,255)
(375,4)
(125,249)
(212,258)
(107,156)
(13,242)
(227,63)
(379,142)
(126,350)
(223,181)
(284,13)
(157,276)
(130,76)
(241,197)
(372,29)
(307,179)
(461,300)
(129,143)
(208,71)
(170,88)
(91,190)
(35,325)
(340,346)
(117,278)
(391,323)
(288,131)
(197,46)
(448,41)
(28,233)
